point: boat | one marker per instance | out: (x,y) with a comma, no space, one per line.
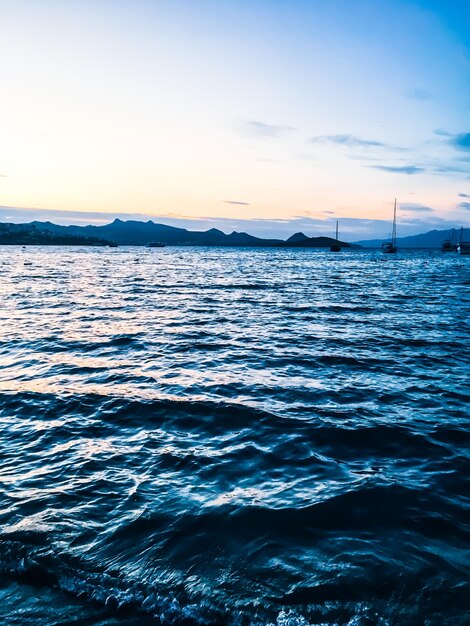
(390,247)
(155,244)
(464,246)
(113,244)
(335,247)
(449,245)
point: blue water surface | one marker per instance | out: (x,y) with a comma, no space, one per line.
(234,437)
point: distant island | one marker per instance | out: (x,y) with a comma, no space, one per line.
(137,233)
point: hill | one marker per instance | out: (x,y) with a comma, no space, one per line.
(30,234)
(431,239)
(135,233)
(299,240)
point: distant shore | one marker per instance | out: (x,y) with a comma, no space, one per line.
(30,235)
(138,233)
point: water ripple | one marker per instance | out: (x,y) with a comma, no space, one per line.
(224,436)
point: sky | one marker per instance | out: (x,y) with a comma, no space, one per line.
(262,115)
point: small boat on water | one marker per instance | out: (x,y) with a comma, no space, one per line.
(112,244)
(155,244)
(449,245)
(390,247)
(335,247)
(463,246)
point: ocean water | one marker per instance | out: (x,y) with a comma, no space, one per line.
(234,437)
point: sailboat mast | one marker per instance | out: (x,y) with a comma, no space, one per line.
(394,230)
(336,230)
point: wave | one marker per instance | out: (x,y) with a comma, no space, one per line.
(345,602)
(348,437)
(214,438)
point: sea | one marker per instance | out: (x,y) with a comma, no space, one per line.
(234,437)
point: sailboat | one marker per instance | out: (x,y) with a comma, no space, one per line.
(335,247)
(390,247)
(449,245)
(464,246)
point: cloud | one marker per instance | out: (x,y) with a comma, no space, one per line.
(422,168)
(461,141)
(449,169)
(417,208)
(464,205)
(64,217)
(236,202)
(464,195)
(400,169)
(426,166)
(419,94)
(262,129)
(351,141)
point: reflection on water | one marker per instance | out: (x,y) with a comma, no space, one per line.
(233,436)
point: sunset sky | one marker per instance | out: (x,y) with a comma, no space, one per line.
(285,113)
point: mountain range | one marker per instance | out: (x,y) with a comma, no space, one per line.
(431,239)
(138,233)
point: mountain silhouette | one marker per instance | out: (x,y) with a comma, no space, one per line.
(31,234)
(296,237)
(431,239)
(137,233)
